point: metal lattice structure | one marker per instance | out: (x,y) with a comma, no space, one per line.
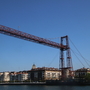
(29,37)
(69,65)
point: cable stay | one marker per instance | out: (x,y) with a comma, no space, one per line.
(53,59)
(79,55)
(78,58)
(79,52)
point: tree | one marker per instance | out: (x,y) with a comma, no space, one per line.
(87,77)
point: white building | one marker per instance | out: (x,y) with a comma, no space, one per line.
(5,76)
(44,73)
(22,76)
(52,74)
(13,76)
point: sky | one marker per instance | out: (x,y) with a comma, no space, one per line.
(49,19)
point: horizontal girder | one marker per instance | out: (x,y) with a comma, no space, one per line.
(29,37)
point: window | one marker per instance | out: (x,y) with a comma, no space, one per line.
(53,75)
(48,74)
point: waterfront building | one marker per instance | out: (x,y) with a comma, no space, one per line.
(36,74)
(5,76)
(22,76)
(44,73)
(82,72)
(13,76)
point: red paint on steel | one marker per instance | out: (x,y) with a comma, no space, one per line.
(29,37)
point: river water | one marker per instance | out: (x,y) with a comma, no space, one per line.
(42,87)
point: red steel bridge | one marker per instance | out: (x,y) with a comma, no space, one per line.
(22,35)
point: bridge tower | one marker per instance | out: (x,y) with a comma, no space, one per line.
(65,66)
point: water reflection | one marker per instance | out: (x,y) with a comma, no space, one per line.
(42,87)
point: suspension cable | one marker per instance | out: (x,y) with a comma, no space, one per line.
(53,59)
(77,58)
(79,52)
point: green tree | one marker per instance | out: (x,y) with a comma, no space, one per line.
(87,77)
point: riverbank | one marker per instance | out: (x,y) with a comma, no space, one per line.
(45,83)
(24,83)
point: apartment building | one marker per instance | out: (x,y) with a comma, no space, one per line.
(82,72)
(22,76)
(35,74)
(13,76)
(43,73)
(4,76)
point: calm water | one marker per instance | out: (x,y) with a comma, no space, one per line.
(29,87)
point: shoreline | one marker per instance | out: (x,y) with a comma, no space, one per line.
(44,83)
(24,83)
